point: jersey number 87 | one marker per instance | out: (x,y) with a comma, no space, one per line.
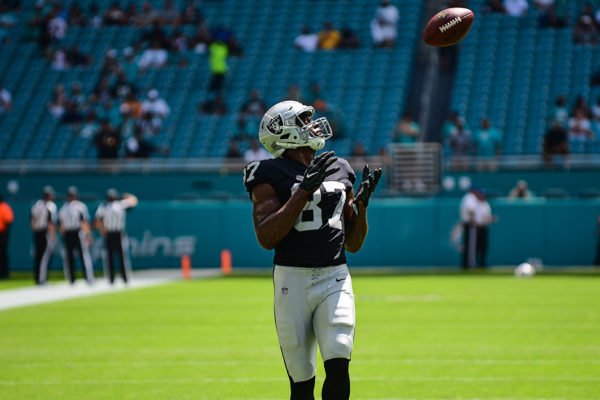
(311,217)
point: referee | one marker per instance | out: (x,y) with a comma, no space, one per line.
(110,221)
(42,220)
(74,226)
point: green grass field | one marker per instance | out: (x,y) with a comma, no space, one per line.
(418,337)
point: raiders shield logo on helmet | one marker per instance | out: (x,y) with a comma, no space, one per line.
(275,125)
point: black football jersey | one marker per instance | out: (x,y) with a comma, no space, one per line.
(317,238)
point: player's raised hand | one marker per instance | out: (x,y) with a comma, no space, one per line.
(367,185)
(317,171)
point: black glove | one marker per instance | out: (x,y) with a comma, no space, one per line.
(367,185)
(316,172)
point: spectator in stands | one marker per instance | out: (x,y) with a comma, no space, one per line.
(109,110)
(7,21)
(129,66)
(314,93)
(77,95)
(59,60)
(459,140)
(494,6)
(133,105)
(76,16)
(59,102)
(90,127)
(586,30)
(191,16)
(596,110)
(72,116)
(107,141)
(256,152)
(384,26)
(218,52)
(487,142)
(115,15)
(307,40)
(560,113)
(555,142)
(358,150)
(520,191)
(233,150)
(6,103)
(349,39)
(154,57)
(57,25)
(329,37)
(215,106)
(138,147)
(122,87)
(201,40)
(406,131)
(551,13)
(581,105)
(156,107)
(76,58)
(246,128)
(7,217)
(294,93)
(334,117)
(580,127)
(95,15)
(516,8)
(255,105)
(147,16)
(170,15)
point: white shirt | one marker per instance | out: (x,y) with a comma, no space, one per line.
(516,8)
(388,15)
(57,28)
(308,42)
(261,154)
(42,212)
(153,58)
(158,108)
(112,214)
(6,98)
(468,204)
(71,215)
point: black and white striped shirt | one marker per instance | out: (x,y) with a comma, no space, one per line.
(71,215)
(112,214)
(42,213)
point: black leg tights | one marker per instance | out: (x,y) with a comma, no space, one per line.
(304,390)
(337,380)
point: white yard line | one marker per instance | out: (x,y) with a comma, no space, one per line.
(32,295)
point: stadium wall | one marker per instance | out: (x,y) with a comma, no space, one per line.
(403,232)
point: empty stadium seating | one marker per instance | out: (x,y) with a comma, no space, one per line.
(511,71)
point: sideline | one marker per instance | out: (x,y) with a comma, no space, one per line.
(57,291)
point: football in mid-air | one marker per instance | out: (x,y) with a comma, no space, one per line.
(448,27)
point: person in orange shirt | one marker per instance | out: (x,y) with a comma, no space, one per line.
(6,218)
(329,37)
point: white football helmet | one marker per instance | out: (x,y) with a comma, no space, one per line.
(287,125)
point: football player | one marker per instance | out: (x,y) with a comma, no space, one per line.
(304,207)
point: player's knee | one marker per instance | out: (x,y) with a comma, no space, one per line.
(342,346)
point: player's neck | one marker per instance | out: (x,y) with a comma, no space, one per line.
(303,155)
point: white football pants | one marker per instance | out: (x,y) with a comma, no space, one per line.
(313,305)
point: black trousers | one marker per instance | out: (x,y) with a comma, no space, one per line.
(42,255)
(74,241)
(481,246)
(469,245)
(4,272)
(114,243)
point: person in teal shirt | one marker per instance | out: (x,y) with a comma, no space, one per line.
(407,131)
(487,140)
